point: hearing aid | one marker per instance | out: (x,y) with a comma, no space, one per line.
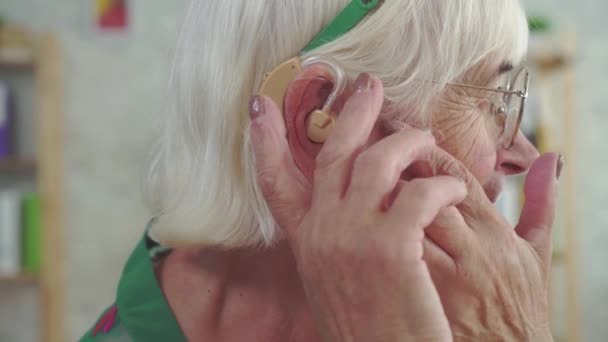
(319,122)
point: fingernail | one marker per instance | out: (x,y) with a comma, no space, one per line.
(362,83)
(256,107)
(560,165)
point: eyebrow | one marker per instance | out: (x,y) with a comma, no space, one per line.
(505,67)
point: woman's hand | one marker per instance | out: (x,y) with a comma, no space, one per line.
(493,279)
(357,232)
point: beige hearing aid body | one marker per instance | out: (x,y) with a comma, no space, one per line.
(320,122)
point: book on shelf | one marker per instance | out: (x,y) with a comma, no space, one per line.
(6,120)
(20,233)
(31,234)
(10,233)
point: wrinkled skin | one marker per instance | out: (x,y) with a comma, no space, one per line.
(492,279)
(360,286)
(346,272)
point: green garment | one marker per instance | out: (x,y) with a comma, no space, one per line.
(141,312)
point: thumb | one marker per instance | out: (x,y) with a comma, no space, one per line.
(538,213)
(278,178)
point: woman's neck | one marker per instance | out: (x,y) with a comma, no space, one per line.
(244,295)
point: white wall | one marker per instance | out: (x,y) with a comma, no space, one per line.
(591,160)
(114,94)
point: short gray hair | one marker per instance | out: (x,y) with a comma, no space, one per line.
(201,183)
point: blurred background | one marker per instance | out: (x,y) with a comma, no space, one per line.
(82,86)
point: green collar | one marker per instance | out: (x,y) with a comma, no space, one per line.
(140,312)
(141,304)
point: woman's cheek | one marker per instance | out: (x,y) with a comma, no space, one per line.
(472,146)
(463,127)
(482,167)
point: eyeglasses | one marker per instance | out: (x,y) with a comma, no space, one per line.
(510,110)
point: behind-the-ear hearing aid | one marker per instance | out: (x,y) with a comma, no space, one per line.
(319,122)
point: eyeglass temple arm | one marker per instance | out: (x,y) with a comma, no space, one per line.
(504,91)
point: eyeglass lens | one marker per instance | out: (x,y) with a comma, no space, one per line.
(514,106)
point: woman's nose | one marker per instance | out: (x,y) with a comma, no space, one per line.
(518,158)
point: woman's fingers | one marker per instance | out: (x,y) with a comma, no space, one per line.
(437,260)
(281,183)
(420,200)
(377,170)
(335,250)
(352,130)
(538,213)
(442,163)
(450,232)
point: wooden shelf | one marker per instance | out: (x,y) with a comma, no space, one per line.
(554,61)
(15,165)
(17,66)
(46,73)
(19,279)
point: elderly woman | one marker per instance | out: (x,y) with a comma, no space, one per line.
(378,223)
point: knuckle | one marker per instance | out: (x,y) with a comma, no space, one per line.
(373,160)
(445,164)
(414,142)
(328,156)
(423,190)
(374,169)
(450,167)
(418,136)
(424,195)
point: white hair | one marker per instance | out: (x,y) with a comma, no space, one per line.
(201,182)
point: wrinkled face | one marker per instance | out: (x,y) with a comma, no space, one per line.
(463,123)
(466,126)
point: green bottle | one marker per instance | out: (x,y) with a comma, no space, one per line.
(32,234)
